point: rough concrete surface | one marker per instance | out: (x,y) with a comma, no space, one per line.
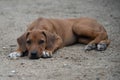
(68,63)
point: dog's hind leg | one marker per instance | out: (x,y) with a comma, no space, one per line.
(95,36)
(96,42)
(83,40)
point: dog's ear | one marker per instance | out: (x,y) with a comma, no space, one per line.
(50,39)
(22,41)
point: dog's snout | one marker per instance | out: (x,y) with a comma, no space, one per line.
(34,53)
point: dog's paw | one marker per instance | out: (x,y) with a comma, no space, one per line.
(90,47)
(46,54)
(101,46)
(14,55)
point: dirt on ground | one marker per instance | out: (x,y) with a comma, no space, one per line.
(68,63)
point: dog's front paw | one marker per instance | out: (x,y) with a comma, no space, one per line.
(90,47)
(14,55)
(101,46)
(46,54)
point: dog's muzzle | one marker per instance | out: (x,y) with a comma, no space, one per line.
(33,55)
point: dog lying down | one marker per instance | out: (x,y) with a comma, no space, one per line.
(44,36)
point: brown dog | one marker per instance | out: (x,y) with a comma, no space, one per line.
(44,36)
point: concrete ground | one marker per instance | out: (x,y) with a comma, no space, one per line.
(68,63)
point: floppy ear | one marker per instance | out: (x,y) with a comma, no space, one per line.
(50,39)
(22,41)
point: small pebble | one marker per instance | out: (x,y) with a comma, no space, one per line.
(23,78)
(64,65)
(4,47)
(13,45)
(111,15)
(22,63)
(66,57)
(10,75)
(100,58)
(84,75)
(97,78)
(13,71)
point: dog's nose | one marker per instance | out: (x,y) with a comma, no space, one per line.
(34,53)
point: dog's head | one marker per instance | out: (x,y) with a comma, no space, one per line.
(35,42)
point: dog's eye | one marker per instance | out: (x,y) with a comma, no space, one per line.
(41,41)
(29,42)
